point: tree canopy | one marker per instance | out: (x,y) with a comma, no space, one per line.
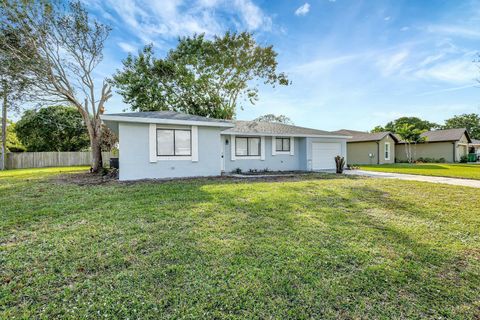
(274,118)
(416,123)
(13,144)
(55,128)
(469,121)
(200,76)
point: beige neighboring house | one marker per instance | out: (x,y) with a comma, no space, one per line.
(450,144)
(369,148)
(474,147)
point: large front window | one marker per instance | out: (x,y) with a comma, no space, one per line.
(174,142)
(282,144)
(248,146)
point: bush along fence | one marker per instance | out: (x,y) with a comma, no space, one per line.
(22,160)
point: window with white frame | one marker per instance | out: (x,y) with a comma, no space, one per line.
(174,142)
(247,146)
(387,150)
(282,144)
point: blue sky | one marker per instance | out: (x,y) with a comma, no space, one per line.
(353,64)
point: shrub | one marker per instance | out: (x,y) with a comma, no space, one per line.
(237,171)
(463,159)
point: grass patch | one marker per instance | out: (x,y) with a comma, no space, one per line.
(453,170)
(315,247)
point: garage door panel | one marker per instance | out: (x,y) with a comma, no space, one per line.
(323,155)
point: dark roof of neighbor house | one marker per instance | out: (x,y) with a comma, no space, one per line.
(165,115)
(273,128)
(361,136)
(444,135)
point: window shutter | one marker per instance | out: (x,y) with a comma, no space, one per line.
(274,146)
(194,144)
(292,146)
(262,148)
(232,147)
(152,142)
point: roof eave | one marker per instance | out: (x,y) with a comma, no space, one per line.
(284,135)
(106,117)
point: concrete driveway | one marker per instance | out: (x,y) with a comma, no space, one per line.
(413,177)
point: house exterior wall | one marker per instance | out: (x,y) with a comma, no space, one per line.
(358,152)
(134,155)
(301,160)
(278,162)
(435,150)
(461,147)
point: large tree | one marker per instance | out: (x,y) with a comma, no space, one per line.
(13,144)
(274,118)
(469,121)
(200,76)
(14,83)
(55,128)
(416,123)
(67,47)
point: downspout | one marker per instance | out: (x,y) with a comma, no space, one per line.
(378,152)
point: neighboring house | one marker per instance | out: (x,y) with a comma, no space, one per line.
(450,144)
(370,148)
(167,144)
(475,146)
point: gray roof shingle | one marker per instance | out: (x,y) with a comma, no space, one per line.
(443,135)
(271,128)
(360,136)
(167,115)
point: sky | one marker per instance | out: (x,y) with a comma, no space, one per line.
(353,64)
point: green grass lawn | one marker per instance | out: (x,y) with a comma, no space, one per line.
(318,246)
(457,170)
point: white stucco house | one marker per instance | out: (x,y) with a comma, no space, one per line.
(165,144)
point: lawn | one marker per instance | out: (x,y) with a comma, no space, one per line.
(457,170)
(318,246)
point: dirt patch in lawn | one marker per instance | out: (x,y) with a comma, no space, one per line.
(86,178)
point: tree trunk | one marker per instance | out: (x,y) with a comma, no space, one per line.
(4,130)
(97,161)
(94,129)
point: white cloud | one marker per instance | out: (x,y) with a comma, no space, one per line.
(447,90)
(453,30)
(303,10)
(390,64)
(461,70)
(322,64)
(127,47)
(404,28)
(153,21)
(252,15)
(387,18)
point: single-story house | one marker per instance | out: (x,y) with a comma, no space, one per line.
(449,144)
(167,144)
(370,148)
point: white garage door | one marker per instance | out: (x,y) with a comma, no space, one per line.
(323,155)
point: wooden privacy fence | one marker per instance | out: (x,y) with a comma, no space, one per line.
(21,160)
